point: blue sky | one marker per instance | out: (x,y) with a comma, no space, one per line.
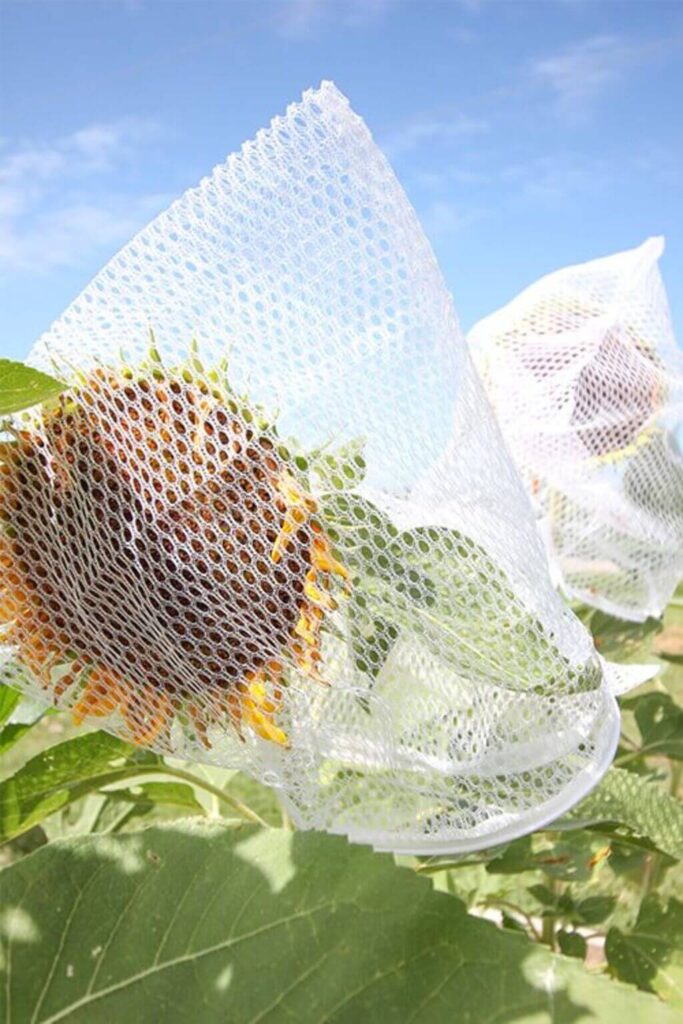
(528,135)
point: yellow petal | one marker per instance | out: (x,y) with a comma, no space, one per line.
(145,718)
(315,593)
(100,697)
(264,727)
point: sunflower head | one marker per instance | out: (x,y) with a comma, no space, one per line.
(617,393)
(160,560)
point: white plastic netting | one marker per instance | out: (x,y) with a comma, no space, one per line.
(272,524)
(586,378)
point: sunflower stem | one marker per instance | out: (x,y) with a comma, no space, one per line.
(221,795)
(429,868)
(509,906)
(194,780)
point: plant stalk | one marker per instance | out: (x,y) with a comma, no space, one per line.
(194,780)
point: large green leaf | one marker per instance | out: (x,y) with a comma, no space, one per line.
(21,387)
(626,800)
(442,584)
(651,954)
(64,773)
(196,923)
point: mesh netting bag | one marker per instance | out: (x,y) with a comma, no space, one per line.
(587,381)
(271,523)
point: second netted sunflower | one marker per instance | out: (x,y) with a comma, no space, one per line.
(159,557)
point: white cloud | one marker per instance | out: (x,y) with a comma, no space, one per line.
(430,129)
(301,18)
(547,181)
(61,201)
(464,35)
(443,217)
(554,178)
(581,73)
(69,235)
(441,179)
(94,148)
(360,13)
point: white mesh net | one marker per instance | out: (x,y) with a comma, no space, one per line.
(587,381)
(281,532)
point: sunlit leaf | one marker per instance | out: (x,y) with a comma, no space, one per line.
(626,800)
(21,387)
(258,797)
(11,734)
(64,773)
(147,795)
(197,923)
(9,699)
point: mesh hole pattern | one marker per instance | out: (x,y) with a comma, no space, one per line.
(587,381)
(271,522)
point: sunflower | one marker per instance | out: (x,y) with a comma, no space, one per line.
(617,394)
(618,388)
(160,558)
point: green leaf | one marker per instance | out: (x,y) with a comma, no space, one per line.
(470,590)
(11,734)
(544,895)
(627,863)
(626,800)
(651,954)
(556,904)
(368,540)
(569,857)
(198,923)
(64,773)
(386,590)
(660,721)
(595,909)
(571,943)
(341,469)
(123,808)
(9,699)
(622,641)
(511,923)
(20,714)
(441,584)
(256,796)
(372,638)
(146,795)
(21,387)
(514,857)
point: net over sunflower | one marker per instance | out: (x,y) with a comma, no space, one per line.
(160,556)
(284,535)
(587,380)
